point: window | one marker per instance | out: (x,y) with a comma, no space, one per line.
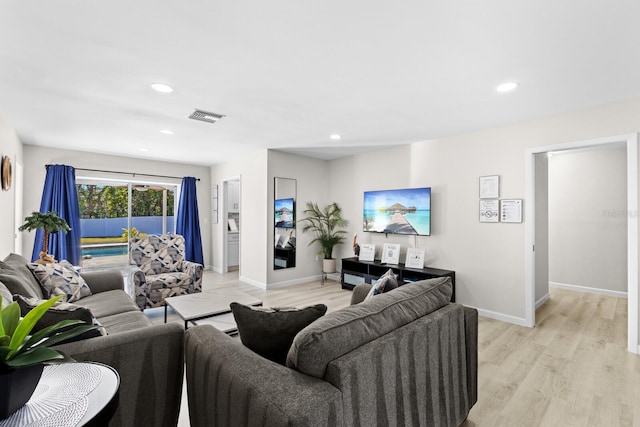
(113,212)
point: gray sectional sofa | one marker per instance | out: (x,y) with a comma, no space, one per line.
(406,357)
(149,358)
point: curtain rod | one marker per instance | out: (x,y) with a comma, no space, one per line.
(129,173)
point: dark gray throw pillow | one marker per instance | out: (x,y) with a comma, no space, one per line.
(269,332)
(57,313)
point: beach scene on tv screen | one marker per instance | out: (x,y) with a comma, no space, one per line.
(406,211)
(284,213)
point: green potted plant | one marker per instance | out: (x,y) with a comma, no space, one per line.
(51,223)
(22,356)
(326,224)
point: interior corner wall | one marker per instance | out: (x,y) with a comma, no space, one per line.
(489,258)
(588,218)
(541,238)
(312,185)
(254,219)
(10,146)
(36,157)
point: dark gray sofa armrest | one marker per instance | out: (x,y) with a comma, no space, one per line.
(228,384)
(359,293)
(101,281)
(150,363)
(471,342)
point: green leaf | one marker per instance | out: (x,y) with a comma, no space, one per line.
(34,357)
(5,340)
(10,319)
(48,332)
(61,336)
(28,322)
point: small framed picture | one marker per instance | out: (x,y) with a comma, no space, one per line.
(367,252)
(489,210)
(415,258)
(390,253)
(490,187)
(511,210)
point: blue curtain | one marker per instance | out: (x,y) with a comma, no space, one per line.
(188,223)
(60,195)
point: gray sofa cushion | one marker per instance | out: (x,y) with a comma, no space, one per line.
(18,278)
(344,330)
(109,303)
(270,331)
(123,322)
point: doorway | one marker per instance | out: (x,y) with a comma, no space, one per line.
(231,224)
(537,219)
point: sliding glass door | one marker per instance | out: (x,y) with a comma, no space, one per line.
(113,212)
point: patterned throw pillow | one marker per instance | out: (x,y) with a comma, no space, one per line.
(58,312)
(270,331)
(385,283)
(60,279)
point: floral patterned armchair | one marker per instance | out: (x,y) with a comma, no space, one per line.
(162,270)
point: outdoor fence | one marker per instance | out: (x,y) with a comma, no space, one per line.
(110,227)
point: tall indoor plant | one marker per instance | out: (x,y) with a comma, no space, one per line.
(22,355)
(326,224)
(51,223)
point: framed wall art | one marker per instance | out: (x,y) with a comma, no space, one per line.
(6,173)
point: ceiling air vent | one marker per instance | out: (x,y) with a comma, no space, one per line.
(205,116)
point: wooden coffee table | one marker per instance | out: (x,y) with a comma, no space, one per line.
(210,307)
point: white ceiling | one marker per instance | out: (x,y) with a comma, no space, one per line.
(287,74)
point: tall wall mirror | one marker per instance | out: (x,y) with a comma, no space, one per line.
(284,252)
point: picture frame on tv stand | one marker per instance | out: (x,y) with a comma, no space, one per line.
(390,253)
(367,252)
(415,258)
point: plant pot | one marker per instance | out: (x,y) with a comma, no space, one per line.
(16,387)
(329,265)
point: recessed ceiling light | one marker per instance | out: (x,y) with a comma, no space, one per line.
(335,137)
(167,131)
(162,88)
(143,149)
(506,87)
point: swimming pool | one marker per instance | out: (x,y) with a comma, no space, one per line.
(99,251)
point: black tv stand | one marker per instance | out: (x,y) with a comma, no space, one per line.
(355,272)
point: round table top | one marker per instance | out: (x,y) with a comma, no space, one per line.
(68,394)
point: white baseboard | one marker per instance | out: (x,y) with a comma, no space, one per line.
(293,282)
(252,282)
(502,317)
(588,289)
(542,300)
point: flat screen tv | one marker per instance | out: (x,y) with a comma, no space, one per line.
(405,211)
(285,212)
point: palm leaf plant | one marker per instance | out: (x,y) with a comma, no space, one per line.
(51,223)
(326,224)
(22,355)
(20,349)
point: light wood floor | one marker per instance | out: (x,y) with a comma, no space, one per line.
(572,369)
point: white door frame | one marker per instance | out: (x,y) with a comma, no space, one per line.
(632,228)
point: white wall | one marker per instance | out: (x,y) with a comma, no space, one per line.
(488,258)
(588,218)
(10,146)
(254,220)
(312,181)
(37,157)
